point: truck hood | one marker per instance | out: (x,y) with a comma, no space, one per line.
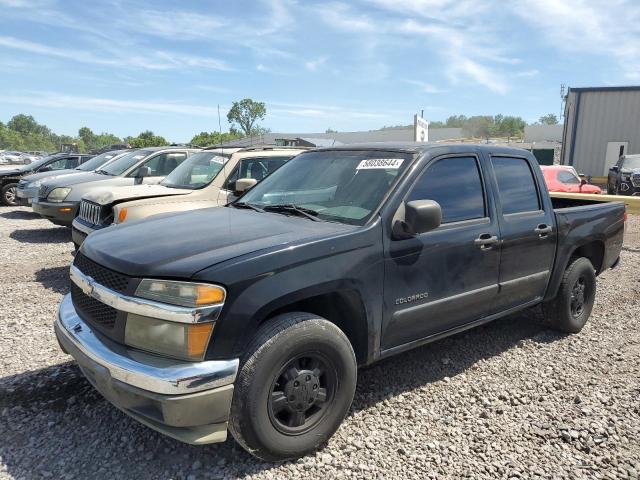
(134,192)
(13,171)
(51,175)
(83,177)
(180,245)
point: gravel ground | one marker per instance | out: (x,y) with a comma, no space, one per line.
(507,400)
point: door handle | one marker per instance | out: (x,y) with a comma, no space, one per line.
(486,241)
(543,230)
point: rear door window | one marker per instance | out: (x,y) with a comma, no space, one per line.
(516,185)
(455,183)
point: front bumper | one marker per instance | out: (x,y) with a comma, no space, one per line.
(628,188)
(27,193)
(189,401)
(80,230)
(60,213)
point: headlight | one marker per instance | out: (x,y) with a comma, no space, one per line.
(186,341)
(185,294)
(58,194)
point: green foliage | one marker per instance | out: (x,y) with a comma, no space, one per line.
(331,130)
(548,119)
(210,139)
(146,139)
(245,113)
(91,141)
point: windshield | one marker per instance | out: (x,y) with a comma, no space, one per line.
(37,163)
(568,177)
(197,171)
(97,161)
(124,163)
(631,163)
(342,186)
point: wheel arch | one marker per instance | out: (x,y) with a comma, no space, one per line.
(342,307)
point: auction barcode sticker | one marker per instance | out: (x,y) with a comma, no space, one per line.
(383,163)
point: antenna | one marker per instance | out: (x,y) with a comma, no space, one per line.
(224,165)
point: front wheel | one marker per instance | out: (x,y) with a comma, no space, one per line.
(571,308)
(295,386)
(9,197)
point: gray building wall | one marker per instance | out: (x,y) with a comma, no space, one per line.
(543,133)
(391,135)
(593,118)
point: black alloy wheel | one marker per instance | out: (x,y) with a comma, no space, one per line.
(301,393)
(578,296)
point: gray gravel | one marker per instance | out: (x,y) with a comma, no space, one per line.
(508,400)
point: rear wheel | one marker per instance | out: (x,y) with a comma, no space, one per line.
(294,388)
(9,197)
(571,308)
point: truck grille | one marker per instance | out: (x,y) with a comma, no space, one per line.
(104,276)
(91,310)
(43,192)
(635,179)
(90,212)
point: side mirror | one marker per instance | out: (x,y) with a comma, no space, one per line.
(244,184)
(44,169)
(416,217)
(614,168)
(583,182)
(142,172)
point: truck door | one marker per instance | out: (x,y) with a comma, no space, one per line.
(527,231)
(447,277)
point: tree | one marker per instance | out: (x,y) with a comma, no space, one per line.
(512,127)
(26,124)
(208,139)
(147,139)
(245,113)
(87,137)
(330,130)
(548,119)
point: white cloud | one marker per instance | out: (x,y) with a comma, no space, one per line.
(155,60)
(608,28)
(92,104)
(453,29)
(425,87)
(313,65)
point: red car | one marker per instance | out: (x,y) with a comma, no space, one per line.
(563,178)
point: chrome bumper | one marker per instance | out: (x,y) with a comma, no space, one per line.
(148,372)
(27,192)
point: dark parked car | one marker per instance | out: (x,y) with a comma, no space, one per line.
(29,186)
(255,316)
(624,176)
(9,178)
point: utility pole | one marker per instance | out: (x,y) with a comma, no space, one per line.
(563,97)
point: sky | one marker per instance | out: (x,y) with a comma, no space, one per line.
(127,66)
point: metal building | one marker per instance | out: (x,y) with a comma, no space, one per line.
(600,124)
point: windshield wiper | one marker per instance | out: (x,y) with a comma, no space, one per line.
(294,209)
(255,208)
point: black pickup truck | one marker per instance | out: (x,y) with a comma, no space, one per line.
(254,317)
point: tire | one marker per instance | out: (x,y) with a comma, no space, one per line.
(9,198)
(570,310)
(294,361)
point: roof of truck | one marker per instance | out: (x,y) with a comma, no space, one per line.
(420,147)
